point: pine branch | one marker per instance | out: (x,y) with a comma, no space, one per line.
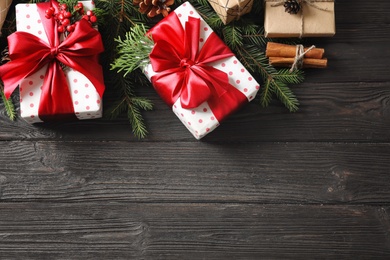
(133,51)
(285,95)
(130,104)
(9,106)
(232,36)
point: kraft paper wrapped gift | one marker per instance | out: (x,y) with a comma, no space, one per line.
(229,10)
(205,45)
(86,101)
(316,19)
(4,6)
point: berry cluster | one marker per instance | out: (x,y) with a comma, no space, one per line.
(66,19)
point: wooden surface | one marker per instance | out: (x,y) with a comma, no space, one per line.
(267,184)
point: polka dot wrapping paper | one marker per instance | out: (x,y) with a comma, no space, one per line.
(201,120)
(86,101)
(229,10)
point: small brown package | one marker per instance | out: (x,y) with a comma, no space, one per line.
(315,19)
(229,10)
(4,6)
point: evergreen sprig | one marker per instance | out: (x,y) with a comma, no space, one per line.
(129,103)
(133,50)
(9,106)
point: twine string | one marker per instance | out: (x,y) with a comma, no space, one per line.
(299,55)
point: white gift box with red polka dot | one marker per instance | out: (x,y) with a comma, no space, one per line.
(200,121)
(86,101)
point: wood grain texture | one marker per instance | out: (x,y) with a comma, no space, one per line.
(195,172)
(192,231)
(329,112)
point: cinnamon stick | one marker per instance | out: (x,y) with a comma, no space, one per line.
(307,63)
(289,51)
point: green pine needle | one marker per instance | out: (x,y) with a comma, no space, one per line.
(136,119)
(266,93)
(232,36)
(285,95)
(129,103)
(133,51)
(9,106)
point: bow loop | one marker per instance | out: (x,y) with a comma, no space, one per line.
(182,69)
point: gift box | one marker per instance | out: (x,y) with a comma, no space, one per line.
(229,10)
(315,19)
(195,72)
(4,6)
(53,91)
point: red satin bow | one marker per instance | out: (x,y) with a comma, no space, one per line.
(29,53)
(184,71)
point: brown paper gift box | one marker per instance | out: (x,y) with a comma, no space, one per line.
(4,6)
(229,10)
(309,22)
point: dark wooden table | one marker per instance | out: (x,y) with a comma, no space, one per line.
(267,184)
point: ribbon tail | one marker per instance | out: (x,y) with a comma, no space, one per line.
(224,96)
(56,101)
(90,68)
(222,106)
(172,91)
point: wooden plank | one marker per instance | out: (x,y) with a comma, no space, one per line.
(195,172)
(352,112)
(192,231)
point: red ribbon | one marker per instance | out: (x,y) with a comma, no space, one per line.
(29,53)
(184,71)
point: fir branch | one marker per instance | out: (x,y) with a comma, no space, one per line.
(69,3)
(136,121)
(285,95)
(254,34)
(133,51)
(266,93)
(289,77)
(232,36)
(130,104)
(9,106)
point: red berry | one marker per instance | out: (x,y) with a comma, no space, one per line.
(85,17)
(70,28)
(67,14)
(60,17)
(89,13)
(65,22)
(61,29)
(49,13)
(93,19)
(63,7)
(80,5)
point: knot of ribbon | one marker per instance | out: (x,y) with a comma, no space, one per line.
(308,2)
(78,51)
(53,52)
(183,69)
